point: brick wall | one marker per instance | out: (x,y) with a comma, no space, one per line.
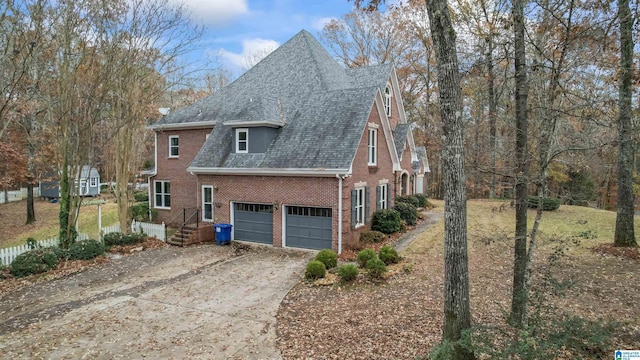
(279,191)
(184,186)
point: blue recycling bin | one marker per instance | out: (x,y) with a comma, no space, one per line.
(223,233)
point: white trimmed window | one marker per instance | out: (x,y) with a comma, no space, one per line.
(382,196)
(173,146)
(387,100)
(358,207)
(93,182)
(372,147)
(207,203)
(242,141)
(162,194)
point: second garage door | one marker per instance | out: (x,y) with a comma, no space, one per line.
(253,222)
(309,227)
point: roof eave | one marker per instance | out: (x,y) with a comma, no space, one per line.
(184,126)
(318,172)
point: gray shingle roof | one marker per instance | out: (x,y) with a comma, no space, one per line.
(400,137)
(325,109)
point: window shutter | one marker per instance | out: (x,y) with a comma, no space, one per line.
(378,196)
(354,199)
(367,204)
(388,196)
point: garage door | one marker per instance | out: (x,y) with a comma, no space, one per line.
(309,227)
(253,222)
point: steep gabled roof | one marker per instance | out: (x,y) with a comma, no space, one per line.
(324,109)
(400,137)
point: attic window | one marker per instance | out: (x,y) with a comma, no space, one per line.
(242,141)
(387,100)
(174,146)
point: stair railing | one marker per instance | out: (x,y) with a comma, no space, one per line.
(187,217)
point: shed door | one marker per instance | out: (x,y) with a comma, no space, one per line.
(309,227)
(253,222)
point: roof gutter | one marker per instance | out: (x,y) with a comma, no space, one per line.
(319,172)
(183,126)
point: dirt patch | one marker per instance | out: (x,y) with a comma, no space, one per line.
(632,253)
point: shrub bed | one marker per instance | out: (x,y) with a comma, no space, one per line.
(388,255)
(348,272)
(34,262)
(376,268)
(408,199)
(408,212)
(386,221)
(365,255)
(371,237)
(86,250)
(328,257)
(315,270)
(121,239)
(423,200)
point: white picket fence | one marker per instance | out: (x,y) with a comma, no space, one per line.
(17,195)
(7,255)
(159,231)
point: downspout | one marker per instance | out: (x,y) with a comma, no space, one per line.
(339,213)
(154,172)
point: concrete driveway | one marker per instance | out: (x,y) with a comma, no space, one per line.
(203,302)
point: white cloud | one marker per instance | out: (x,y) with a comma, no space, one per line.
(318,24)
(253,50)
(217,12)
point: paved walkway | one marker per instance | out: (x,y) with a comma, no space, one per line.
(202,302)
(406,239)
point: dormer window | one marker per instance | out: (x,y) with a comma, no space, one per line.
(242,141)
(387,100)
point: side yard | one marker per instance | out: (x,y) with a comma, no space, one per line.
(13,230)
(401,318)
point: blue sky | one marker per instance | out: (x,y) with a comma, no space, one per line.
(236,29)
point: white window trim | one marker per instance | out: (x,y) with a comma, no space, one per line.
(246,150)
(93,182)
(210,187)
(163,194)
(382,188)
(177,147)
(387,100)
(360,206)
(372,147)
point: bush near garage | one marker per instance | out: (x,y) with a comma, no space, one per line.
(34,262)
(348,272)
(365,255)
(315,270)
(386,221)
(140,196)
(376,268)
(328,257)
(408,212)
(371,237)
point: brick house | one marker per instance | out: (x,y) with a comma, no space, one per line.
(297,152)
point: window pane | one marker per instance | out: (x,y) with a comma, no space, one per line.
(167,188)
(174,141)
(158,187)
(242,146)
(207,195)
(242,135)
(167,200)
(208,211)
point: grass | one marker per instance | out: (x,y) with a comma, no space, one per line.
(485,223)
(47,225)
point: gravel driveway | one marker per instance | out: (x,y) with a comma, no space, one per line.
(202,302)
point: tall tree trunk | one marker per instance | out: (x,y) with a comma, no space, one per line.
(624,233)
(492,118)
(519,300)
(457,316)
